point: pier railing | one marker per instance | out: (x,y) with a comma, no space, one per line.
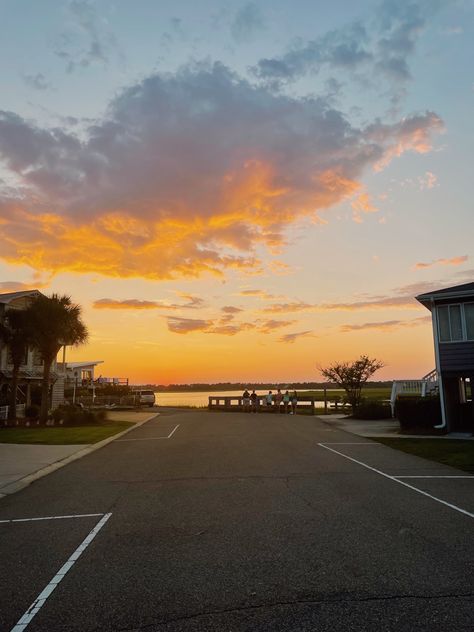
(224,402)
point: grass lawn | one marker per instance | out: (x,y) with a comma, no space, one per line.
(454,452)
(63,435)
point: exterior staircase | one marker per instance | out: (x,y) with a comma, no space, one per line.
(428,385)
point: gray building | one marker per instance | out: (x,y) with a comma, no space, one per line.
(452,311)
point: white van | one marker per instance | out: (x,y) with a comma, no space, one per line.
(144,398)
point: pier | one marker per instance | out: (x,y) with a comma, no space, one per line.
(216,402)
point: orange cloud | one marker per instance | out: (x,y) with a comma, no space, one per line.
(230,309)
(291,338)
(268,326)
(296,306)
(251,163)
(187,325)
(108,303)
(17,286)
(263,294)
(410,134)
(193,302)
(454,261)
(362,204)
(388,325)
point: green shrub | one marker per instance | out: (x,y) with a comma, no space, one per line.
(76,416)
(418,413)
(372,409)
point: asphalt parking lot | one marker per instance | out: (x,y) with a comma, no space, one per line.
(229,521)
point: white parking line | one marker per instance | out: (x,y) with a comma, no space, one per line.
(149,438)
(433,477)
(352,443)
(40,600)
(396,480)
(91,515)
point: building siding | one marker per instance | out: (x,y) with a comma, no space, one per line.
(457,357)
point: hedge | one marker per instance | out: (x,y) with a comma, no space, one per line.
(418,412)
(372,409)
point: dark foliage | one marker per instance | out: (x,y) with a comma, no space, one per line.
(418,412)
(76,416)
(372,409)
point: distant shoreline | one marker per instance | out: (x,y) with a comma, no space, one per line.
(197,388)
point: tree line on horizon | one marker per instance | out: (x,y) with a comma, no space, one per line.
(236,386)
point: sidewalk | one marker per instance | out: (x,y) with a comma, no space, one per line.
(381,428)
(21,464)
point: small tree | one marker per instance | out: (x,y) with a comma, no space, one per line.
(351,376)
(14,333)
(54,321)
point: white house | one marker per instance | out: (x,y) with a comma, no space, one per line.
(31,370)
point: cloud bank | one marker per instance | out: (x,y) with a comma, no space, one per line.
(187,173)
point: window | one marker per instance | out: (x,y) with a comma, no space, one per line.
(456,322)
(443,324)
(469,316)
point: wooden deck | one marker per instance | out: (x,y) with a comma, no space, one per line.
(216,402)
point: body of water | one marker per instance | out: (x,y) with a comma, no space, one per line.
(201,398)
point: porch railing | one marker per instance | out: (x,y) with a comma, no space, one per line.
(20,411)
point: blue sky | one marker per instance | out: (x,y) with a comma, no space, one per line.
(313,154)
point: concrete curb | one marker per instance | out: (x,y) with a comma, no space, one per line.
(21,483)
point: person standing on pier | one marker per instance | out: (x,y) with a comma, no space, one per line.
(294,402)
(246,401)
(278,398)
(254,401)
(269,400)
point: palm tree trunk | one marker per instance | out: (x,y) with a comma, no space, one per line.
(45,391)
(13,392)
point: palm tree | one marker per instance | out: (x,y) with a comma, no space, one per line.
(54,321)
(14,333)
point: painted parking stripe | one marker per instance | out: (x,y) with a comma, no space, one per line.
(149,438)
(352,443)
(91,515)
(396,480)
(40,600)
(421,476)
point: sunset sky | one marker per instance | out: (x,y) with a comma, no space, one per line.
(239,191)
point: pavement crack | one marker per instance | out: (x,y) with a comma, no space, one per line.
(294,602)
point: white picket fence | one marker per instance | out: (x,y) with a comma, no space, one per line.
(20,411)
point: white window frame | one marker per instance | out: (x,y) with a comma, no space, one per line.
(463,323)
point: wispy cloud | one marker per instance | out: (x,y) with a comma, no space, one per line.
(37,81)
(268,326)
(187,325)
(293,337)
(259,293)
(295,306)
(225,326)
(454,261)
(400,298)
(387,325)
(89,41)
(192,302)
(230,309)
(428,181)
(247,23)
(378,47)
(17,286)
